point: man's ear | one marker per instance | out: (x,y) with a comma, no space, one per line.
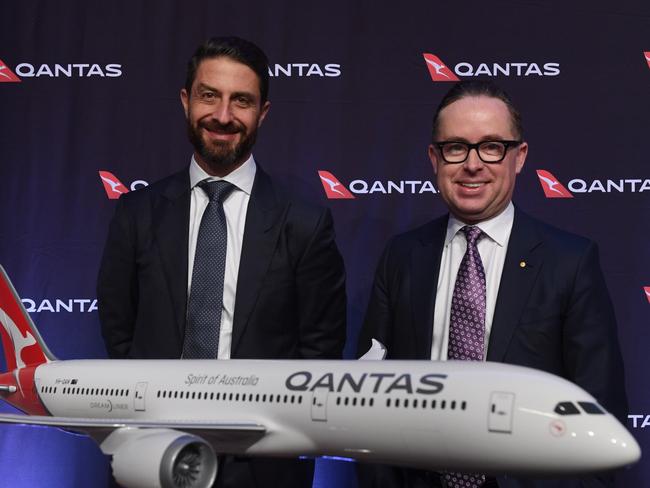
(521,157)
(185,100)
(263,112)
(433,156)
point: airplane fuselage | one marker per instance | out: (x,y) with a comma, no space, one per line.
(415,413)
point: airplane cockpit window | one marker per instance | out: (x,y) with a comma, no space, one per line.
(591,408)
(566,408)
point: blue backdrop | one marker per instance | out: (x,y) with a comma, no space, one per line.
(89,86)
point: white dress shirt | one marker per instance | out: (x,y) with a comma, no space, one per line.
(234,206)
(492,247)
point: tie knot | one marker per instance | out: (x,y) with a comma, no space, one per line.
(472,234)
(216,190)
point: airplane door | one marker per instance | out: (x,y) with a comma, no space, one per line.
(319,404)
(500,415)
(140,390)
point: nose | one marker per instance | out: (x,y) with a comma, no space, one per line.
(222,112)
(473,162)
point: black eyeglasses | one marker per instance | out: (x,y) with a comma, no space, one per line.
(489,151)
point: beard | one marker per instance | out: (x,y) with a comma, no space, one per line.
(221,156)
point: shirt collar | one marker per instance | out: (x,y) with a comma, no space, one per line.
(497,228)
(242,177)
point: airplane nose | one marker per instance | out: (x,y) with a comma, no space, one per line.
(610,448)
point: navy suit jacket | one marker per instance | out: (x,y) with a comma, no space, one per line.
(553,314)
(290,298)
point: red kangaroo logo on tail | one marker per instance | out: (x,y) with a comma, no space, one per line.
(113,186)
(23,351)
(6,75)
(647,292)
(437,69)
(552,186)
(334,189)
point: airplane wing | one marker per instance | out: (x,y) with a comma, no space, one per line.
(219,433)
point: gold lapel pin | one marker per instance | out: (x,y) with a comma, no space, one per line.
(522,264)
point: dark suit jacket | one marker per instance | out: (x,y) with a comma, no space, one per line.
(553,314)
(290,298)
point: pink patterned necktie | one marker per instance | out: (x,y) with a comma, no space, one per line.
(467,328)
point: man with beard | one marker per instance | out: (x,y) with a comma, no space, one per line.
(214,261)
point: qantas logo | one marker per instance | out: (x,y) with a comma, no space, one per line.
(335,190)
(19,341)
(437,69)
(115,188)
(333,187)
(647,57)
(554,189)
(440,71)
(56,70)
(646,289)
(57,305)
(299,70)
(428,384)
(6,75)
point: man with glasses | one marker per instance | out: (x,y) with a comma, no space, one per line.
(488,282)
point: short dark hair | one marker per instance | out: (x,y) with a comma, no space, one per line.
(477,88)
(237,49)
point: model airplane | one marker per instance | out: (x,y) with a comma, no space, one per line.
(162,421)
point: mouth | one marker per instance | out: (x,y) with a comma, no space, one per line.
(471,186)
(223,133)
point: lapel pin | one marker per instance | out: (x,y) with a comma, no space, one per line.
(522,264)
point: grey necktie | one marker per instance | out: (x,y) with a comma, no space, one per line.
(206,292)
(467,328)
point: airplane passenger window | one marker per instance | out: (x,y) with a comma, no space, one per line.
(566,408)
(372,402)
(591,408)
(463,405)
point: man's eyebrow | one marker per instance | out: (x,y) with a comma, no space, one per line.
(203,86)
(489,137)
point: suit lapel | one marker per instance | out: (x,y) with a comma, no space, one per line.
(425,268)
(520,269)
(260,236)
(171,215)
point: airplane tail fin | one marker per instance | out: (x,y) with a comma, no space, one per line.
(376,352)
(22,344)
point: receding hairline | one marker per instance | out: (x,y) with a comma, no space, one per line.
(513,126)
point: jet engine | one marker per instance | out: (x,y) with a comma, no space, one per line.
(165,458)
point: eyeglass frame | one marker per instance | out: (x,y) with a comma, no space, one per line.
(507,143)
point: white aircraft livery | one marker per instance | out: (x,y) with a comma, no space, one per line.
(164,422)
